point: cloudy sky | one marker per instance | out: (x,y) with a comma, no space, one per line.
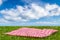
(29,12)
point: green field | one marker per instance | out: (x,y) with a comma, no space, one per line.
(4,29)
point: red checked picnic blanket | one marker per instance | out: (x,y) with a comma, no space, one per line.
(32,32)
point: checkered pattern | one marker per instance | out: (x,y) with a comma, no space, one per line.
(32,32)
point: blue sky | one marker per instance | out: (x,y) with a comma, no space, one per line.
(29,12)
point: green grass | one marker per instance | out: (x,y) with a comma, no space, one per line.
(4,29)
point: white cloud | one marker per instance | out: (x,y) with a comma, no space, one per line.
(51,7)
(45,22)
(1,1)
(3,20)
(12,14)
(40,11)
(35,12)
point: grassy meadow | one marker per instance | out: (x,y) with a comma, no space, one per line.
(4,29)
